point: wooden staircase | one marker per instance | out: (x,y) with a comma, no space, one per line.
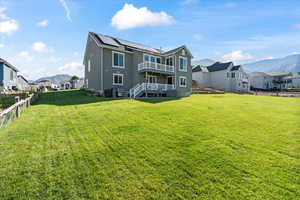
(198,89)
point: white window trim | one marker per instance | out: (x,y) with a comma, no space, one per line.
(183,86)
(146,54)
(152,76)
(173,61)
(183,70)
(117,74)
(89,65)
(113,64)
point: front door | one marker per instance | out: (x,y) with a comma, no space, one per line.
(170,80)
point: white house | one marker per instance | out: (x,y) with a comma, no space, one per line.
(267,81)
(222,76)
(22,83)
(292,81)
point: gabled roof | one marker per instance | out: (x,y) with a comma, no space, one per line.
(235,68)
(20,76)
(2,61)
(116,42)
(197,69)
(219,66)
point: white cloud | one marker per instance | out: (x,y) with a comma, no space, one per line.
(72,68)
(43,23)
(54,59)
(67,9)
(2,45)
(131,17)
(41,47)
(237,56)
(26,56)
(9,26)
(2,14)
(198,36)
(188,2)
(230,5)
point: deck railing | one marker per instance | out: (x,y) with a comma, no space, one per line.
(156,67)
(135,91)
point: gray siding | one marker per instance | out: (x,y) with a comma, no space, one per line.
(93,53)
(131,75)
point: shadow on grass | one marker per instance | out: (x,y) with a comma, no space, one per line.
(155,100)
(78,97)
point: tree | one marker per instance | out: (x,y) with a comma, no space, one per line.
(73,78)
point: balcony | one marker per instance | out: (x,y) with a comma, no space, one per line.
(156,67)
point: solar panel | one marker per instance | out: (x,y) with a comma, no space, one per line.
(138,46)
(108,40)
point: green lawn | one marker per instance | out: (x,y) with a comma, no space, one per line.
(71,146)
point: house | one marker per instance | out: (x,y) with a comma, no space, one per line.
(222,76)
(8,76)
(77,83)
(22,83)
(65,85)
(45,84)
(116,66)
(267,81)
(292,81)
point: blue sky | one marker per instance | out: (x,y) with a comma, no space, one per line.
(48,37)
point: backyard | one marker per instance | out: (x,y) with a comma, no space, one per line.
(73,146)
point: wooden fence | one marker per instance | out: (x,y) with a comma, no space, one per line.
(15,110)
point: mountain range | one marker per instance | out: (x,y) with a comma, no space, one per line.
(287,64)
(56,78)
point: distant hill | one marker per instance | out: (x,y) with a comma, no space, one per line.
(203,62)
(286,64)
(56,79)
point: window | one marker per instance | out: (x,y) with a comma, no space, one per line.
(182,64)
(169,61)
(153,59)
(151,79)
(146,58)
(87,83)
(228,75)
(11,75)
(170,80)
(233,75)
(182,81)
(117,79)
(118,60)
(89,65)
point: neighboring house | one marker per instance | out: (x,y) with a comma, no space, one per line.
(267,81)
(77,83)
(8,76)
(222,76)
(45,84)
(292,81)
(136,70)
(22,83)
(65,85)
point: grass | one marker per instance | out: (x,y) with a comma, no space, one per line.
(71,146)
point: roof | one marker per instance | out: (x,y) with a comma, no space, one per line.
(278,74)
(116,42)
(219,66)
(197,69)
(235,68)
(20,76)
(8,64)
